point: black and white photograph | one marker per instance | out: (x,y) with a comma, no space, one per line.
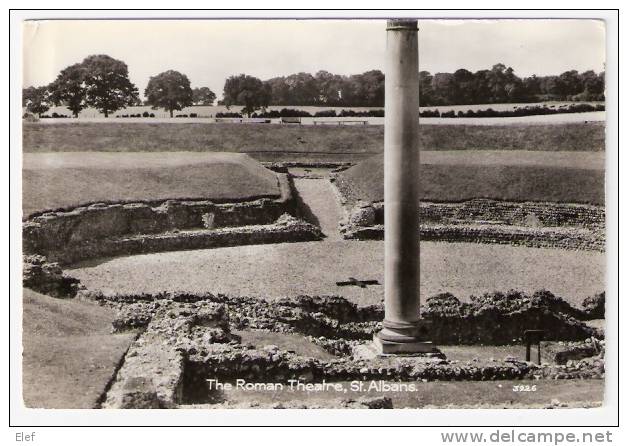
(388,212)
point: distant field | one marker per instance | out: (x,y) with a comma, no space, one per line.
(293,142)
(514,176)
(65,180)
(559,118)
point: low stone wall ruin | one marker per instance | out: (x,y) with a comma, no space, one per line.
(555,237)
(55,234)
(47,277)
(528,213)
(595,306)
(283,166)
(285,229)
(501,318)
(563,353)
(188,339)
(153,370)
(491,319)
(535,224)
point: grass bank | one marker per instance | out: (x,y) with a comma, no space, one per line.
(66,180)
(69,352)
(268,142)
(513,176)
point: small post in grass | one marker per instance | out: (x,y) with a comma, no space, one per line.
(533,337)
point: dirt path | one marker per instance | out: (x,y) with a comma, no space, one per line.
(321,203)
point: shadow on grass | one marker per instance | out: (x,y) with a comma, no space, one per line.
(303,211)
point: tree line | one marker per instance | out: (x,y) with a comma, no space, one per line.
(500,84)
(495,86)
(102,82)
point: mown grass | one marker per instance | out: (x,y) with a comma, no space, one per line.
(508,181)
(66,180)
(268,142)
(69,352)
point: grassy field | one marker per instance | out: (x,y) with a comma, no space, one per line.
(65,180)
(272,142)
(513,176)
(292,269)
(69,352)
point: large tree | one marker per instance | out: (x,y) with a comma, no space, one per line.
(593,85)
(203,96)
(247,91)
(426,91)
(481,87)
(329,87)
(497,79)
(36,100)
(107,84)
(370,88)
(569,83)
(302,89)
(532,86)
(463,87)
(169,90)
(444,87)
(69,89)
(279,91)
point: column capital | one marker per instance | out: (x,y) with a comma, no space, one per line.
(402,25)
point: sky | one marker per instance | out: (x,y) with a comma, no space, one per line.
(209,51)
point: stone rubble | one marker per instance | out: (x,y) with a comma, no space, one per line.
(491,319)
(188,339)
(47,277)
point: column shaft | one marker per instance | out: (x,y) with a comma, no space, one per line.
(404,332)
(401,161)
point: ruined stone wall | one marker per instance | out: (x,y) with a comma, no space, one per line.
(501,318)
(49,233)
(281,232)
(189,338)
(557,237)
(552,225)
(153,370)
(285,165)
(491,319)
(527,213)
(48,278)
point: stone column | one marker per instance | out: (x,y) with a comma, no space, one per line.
(404,331)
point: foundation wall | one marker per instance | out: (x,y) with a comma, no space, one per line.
(493,319)
(296,231)
(576,239)
(508,213)
(552,225)
(50,233)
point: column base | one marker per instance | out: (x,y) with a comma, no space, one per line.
(398,338)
